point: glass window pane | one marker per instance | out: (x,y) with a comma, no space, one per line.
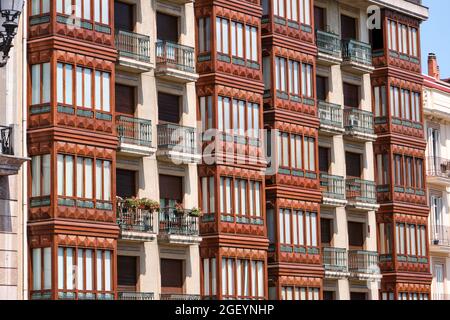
(37,269)
(60,174)
(69,176)
(107,181)
(46,175)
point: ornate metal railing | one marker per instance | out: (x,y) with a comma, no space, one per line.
(176,137)
(134,131)
(134,219)
(335,259)
(438,167)
(328,43)
(133,45)
(180,296)
(361,190)
(136,296)
(440,235)
(6,140)
(358,120)
(332,186)
(361,261)
(356,51)
(175,56)
(330,114)
(176,222)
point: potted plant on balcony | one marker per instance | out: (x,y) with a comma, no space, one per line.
(195,212)
(178,209)
(150,205)
(131,203)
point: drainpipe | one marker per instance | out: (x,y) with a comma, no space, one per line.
(24,152)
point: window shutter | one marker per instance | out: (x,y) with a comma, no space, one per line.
(168,107)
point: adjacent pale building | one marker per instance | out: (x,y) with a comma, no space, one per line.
(436,106)
(13,174)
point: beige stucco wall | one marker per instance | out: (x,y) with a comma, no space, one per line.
(339,144)
(150,167)
(11,213)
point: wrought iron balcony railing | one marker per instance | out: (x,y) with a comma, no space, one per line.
(335,259)
(358,121)
(357,52)
(361,261)
(440,235)
(134,131)
(175,56)
(438,167)
(136,296)
(133,45)
(361,190)
(173,222)
(134,219)
(6,140)
(328,43)
(180,296)
(332,186)
(330,114)
(177,138)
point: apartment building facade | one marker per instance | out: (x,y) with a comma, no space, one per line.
(112,140)
(13,175)
(435,105)
(123,96)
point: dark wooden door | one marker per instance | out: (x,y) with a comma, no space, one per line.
(123,16)
(167,27)
(324,159)
(172,276)
(126,183)
(351,95)
(322,88)
(353,164)
(319,18)
(127,271)
(329,295)
(168,107)
(358,296)
(326,231)
(356,235)
(170,189)
(348,27)
(125,99)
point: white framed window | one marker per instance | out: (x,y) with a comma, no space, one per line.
(103,180)
(84,87)
(222,35)
(101,11)
(40,7)
(102,91)
(41,261)
(40,83)
(65,174)
(40,175)
(204,34)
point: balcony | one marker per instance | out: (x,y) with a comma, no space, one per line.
(357,56)
(177,144)
(335,263)
(333,190)
(363,265)
(134,51)
(329,47)
(180,296)
(135,296)
(135,223)
(438,171)
(178,227)
(9,164)
(361,194)
(330,116)
(135,136)
(358,124)
(175,62)
(440,238)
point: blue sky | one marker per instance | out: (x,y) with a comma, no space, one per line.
(435,35)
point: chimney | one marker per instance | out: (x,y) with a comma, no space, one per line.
(433,68)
